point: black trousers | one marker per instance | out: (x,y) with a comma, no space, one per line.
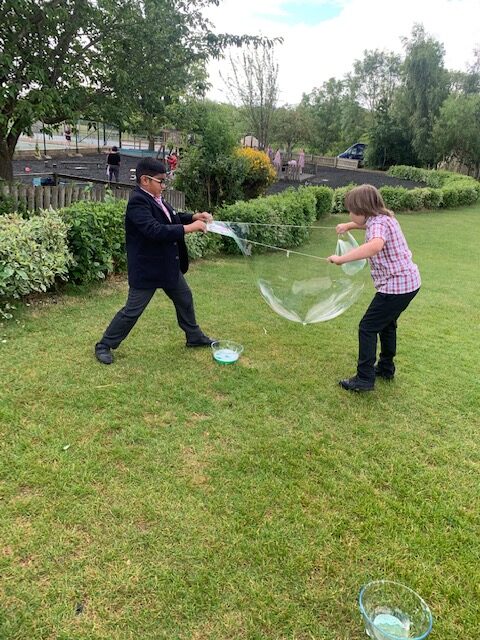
(137,301)
(380,319)
(113,172)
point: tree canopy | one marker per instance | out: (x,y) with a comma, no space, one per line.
(128,58)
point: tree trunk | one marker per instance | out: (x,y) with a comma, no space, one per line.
(151,143)
(7,148)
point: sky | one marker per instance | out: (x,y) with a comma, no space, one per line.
(323,38)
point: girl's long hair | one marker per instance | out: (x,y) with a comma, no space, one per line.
(366,200)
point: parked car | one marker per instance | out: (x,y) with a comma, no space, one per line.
(355,152)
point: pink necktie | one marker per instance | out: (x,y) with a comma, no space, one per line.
(159,201)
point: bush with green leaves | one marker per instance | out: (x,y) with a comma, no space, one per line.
(338,204)
(324,200)
(446,188)
(202,245)
(96,237)
(33,254)
(7,203)
(293,210)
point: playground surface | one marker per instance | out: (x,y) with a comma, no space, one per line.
(93,166)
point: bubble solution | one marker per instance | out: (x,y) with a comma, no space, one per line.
(226,356)
(396,626)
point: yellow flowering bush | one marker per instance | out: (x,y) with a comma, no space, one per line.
(260,173)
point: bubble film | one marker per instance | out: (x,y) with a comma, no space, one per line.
(290,269)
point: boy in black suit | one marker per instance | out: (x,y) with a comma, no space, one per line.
(157,259)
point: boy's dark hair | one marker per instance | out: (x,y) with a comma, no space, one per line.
(114,149)
(149,167)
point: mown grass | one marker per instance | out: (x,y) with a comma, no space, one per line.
(168,497)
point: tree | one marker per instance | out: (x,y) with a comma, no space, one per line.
(289,127)
(389,143)
(335,119)
(50,63)
(138,56)
(456,133)
(472,83)
(377,76)
(254,85)
(425,89)
(210,173)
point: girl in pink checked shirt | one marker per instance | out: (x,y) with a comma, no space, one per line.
(395,277)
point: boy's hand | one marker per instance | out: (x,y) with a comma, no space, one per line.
(198,225)
(335,259)
(342,228)
(203,215)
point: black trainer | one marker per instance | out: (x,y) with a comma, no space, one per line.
(356,384)
(103,353)
(379,373)
(203,341)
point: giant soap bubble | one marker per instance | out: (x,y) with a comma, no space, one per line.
(291,271)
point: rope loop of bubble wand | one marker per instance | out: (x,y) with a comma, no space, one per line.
(274,224)
(288,251)
(271,246)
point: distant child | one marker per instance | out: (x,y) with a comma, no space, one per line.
(68,137)
(157,258)
(395,277)
(113,165)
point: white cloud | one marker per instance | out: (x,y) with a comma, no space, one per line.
(312,53)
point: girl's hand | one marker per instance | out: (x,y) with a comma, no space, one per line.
(335,259)
(342,228)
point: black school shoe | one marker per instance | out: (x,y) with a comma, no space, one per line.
(382,374)
(356,384)
(204,341)
(103,353)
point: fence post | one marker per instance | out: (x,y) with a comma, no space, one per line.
(54,192)
(30,198)
(46,198)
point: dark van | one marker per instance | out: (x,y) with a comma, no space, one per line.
(355,152)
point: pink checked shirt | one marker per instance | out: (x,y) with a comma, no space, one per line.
(392,268)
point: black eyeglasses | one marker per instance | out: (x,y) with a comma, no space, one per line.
(162,181)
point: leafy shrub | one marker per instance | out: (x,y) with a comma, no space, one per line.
(7,203)
(416,174)
(291,207)
(450,197)
(96,238)
(210,182)
(432,198)
(455,188)
(324,200)
(33,253)
(259,174)
(413,200)
(467,194)
(338,205)
(202,245)
(394,197)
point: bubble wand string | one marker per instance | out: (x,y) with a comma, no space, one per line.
(273,224)
(271,246)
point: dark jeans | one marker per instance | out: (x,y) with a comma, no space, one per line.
(137,301)
(113,172)
(380,319)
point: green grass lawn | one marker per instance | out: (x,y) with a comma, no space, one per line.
(168,497)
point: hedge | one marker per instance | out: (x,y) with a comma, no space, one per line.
(33,254)
(445,189)
(291,207)
(86,241)
(96,237)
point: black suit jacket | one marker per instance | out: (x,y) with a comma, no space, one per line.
(156,250)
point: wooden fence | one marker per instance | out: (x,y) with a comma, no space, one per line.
(35,198)
(324,161)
